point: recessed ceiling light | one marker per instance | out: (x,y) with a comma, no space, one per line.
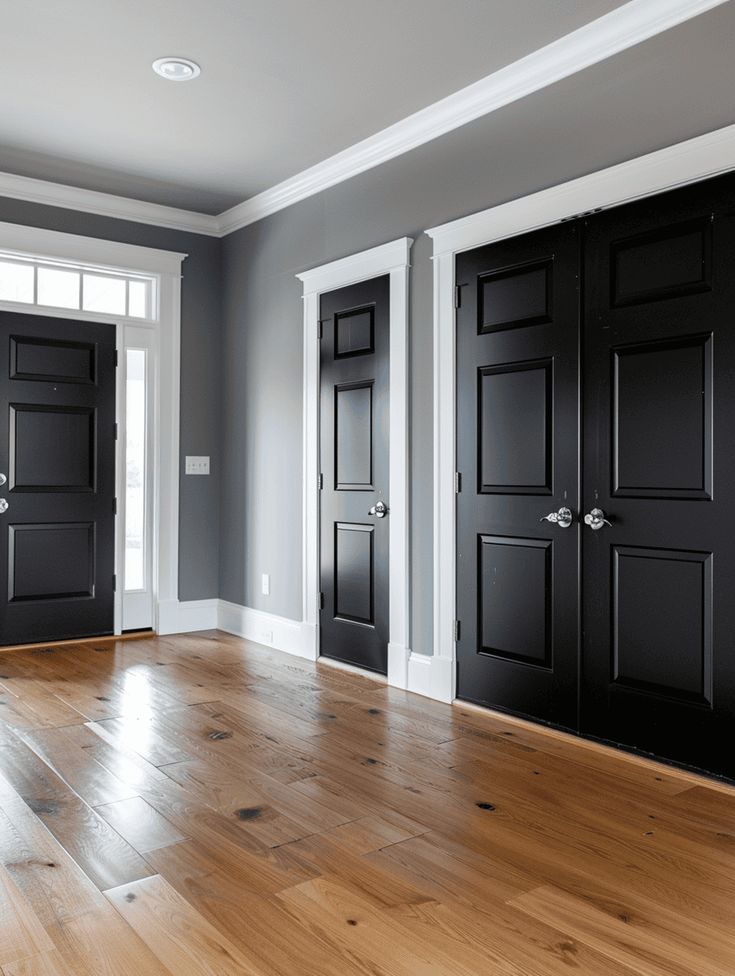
(176,69)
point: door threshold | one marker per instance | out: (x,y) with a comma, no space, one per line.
(104,639)
(691,777)
(353,669)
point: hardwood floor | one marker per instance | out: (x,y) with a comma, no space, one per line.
(198,805)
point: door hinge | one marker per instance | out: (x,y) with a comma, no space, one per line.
(457,296)
(320,482)
(319,330)
(114,582)
(114,506)
(117,358)
(321,601)
(456,630)
(114,427)
(457,482)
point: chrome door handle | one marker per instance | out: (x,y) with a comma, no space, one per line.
(3,479)
(380,510)
(563,518)
(596,519)
(3,506)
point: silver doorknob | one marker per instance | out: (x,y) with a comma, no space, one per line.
(3,479)
(379,510)
(3,505)
(596,519)
(563,518)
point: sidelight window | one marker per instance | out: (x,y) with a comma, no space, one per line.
(135,470)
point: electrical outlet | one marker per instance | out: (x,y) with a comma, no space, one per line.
(265,584)
(196,465)
(267,636)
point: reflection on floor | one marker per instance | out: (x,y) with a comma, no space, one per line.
(199,805)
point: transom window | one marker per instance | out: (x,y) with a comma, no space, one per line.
(66,286)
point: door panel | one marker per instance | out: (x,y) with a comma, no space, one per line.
(517,445)
(57,398)
(354,473)
(658,666)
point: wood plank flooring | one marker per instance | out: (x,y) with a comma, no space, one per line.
(196,805)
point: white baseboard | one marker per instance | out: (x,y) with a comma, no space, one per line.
(282,633)
(398,657)
(185,616)
(422,674)
(432,677)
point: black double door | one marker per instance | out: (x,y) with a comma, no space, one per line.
(354,451)
(596,442)
(57,461)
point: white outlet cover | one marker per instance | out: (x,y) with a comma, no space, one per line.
(265,584)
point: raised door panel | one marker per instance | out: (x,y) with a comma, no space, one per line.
(354,573)
(517,454)
(515,593)
(658,673)
(57,448)
(515,428)
(353,436)
(662,418)
(355,473)
(52,448)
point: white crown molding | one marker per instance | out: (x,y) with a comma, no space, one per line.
(631,24)
(106,205)
(617,31)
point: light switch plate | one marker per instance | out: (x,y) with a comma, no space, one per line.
(265,584)
(196,465)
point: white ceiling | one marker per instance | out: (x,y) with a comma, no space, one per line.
(284,84)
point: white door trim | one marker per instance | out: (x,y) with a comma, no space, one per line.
(686,162)
(39,243)
(391,259)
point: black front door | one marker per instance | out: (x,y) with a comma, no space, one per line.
(57,452)
(517,447)
(354,363)
(659,420)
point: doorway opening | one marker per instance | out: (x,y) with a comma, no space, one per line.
(114,458)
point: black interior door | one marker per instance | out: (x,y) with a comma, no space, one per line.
(57,451)
(517,454)
(354,412)
(659,421)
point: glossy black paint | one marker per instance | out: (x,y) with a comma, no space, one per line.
(517,446)
(645,643)
(57,448)
(659,411)
(354,364)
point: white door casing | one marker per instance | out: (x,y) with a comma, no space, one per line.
(164,346)
(686,162)
(391,259)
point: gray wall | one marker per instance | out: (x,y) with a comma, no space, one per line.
(669,89)
(200,373)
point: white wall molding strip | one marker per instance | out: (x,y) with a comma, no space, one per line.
(623,28)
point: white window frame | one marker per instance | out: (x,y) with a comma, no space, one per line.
(391,259)
(164,325)
(686,162)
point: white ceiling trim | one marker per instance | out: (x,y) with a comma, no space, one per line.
(631,24)
(106,204)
